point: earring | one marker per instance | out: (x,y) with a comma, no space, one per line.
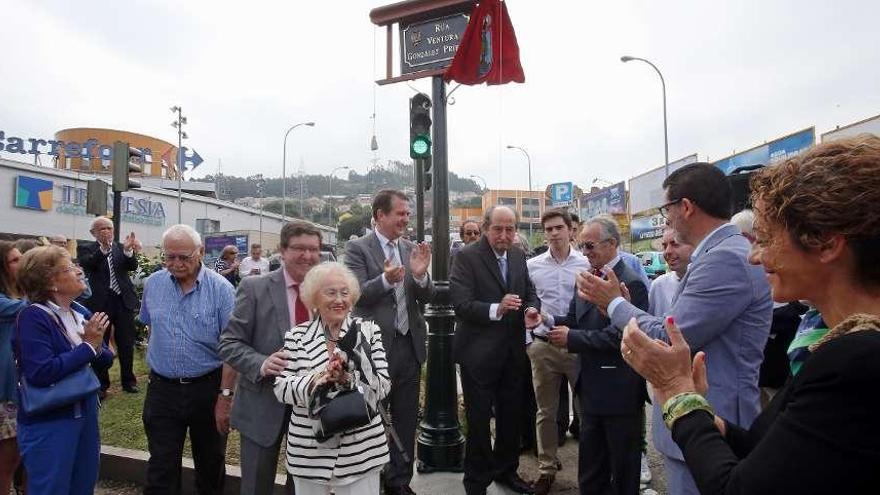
(54,289)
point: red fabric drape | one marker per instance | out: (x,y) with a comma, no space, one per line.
(488,51)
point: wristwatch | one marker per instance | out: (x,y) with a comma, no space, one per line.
(226,392)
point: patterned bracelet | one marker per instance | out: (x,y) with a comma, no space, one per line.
(683,404)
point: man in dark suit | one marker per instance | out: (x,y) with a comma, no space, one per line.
(611,394)
(266,307)
(106,265)
(491,291)
(394,280)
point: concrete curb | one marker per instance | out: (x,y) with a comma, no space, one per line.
(130,466)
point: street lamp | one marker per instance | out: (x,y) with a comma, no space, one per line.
(178,124)
(330,195)
(530,183)
(284,170)
(627,58)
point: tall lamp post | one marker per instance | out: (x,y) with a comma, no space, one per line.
(178,124)
(627,58)
(530,183)
(330,194)
(284,170)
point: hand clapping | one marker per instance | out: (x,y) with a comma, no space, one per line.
(419,259)
(93,331)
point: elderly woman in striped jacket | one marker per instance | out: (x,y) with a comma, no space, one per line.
(349,462)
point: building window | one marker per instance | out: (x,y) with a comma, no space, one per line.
(507,201)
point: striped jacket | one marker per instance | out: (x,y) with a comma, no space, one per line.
(343,458)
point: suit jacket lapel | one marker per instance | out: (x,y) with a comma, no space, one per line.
(378,251)
(278,293)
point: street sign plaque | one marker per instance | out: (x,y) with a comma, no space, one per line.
(431,44)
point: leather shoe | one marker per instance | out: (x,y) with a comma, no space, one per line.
(542,486)
(515,483)
(132,389)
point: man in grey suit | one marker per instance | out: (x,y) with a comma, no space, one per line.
(723,305)
(394,280)
(266,307)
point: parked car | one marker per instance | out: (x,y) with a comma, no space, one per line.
(653,262)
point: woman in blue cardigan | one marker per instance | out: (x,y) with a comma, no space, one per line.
(60,448)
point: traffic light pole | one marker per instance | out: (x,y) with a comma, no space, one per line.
(419,165)
(440,443)
(117,214)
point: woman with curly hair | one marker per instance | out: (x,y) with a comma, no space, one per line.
(817,235)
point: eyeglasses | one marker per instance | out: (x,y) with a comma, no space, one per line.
(664,209)
(183,258)
(335,293)
(304,249)
(471,232)
(590,245)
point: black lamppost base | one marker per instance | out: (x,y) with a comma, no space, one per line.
(440,450)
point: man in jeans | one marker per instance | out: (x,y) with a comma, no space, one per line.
(553,273)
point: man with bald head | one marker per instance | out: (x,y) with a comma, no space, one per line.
(492,294)
(106,265)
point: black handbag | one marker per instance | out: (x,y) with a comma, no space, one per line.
(346,411)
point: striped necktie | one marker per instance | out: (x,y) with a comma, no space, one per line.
(401,320)
(114,284)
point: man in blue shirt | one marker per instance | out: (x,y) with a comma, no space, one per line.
(186,307)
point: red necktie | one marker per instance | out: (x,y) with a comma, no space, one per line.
(597,272)
(300,312)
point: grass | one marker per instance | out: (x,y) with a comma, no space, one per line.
(121,423)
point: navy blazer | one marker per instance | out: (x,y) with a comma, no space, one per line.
(46,356)
(610,386)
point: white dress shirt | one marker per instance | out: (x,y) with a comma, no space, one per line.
(248,264)
(661,293)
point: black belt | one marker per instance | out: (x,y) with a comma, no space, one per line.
(540,337)
(185,380)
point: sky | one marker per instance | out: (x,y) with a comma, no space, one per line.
(738,73)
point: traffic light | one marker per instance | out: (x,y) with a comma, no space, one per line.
(125,161)
(420,126)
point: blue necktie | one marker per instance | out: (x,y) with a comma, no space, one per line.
(502,265)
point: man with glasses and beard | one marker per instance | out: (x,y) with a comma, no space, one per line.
(186,306)
(723,306)
(266,307)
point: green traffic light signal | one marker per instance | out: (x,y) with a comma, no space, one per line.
(420,147)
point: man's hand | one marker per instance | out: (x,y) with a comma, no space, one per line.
(419,259)
(132,244)
(598,291)
(221,414)
(394,274)
(510,302)
(274,364)
(533,318)
(558,336)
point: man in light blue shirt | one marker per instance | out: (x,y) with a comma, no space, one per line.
(186,307)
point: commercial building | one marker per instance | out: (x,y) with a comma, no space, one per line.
(42,201)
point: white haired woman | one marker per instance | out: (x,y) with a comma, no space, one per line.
(325,357)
